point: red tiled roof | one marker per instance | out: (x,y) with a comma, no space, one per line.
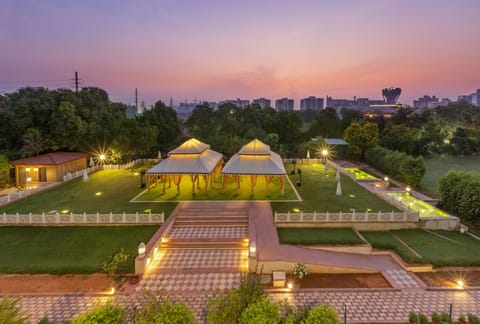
(54,158)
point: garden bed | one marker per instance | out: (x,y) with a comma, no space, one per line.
(341,281)
(449,278)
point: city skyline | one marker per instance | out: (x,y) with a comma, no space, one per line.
(215,50)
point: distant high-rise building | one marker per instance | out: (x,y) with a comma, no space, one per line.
(239,102)
(391,95)
(473,98)
(312,103)
(284,104)
(262,102)
(426,102)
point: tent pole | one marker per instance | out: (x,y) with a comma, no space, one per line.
(148,182)
(164,178)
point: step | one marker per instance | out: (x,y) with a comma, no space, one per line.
(207,240)
(202,246)
(240,217)
(210,220)
(219,212)
(210,224)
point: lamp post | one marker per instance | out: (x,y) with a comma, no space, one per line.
(299,183)
(325,157)
(294,162)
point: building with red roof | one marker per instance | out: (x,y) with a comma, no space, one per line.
(50,167)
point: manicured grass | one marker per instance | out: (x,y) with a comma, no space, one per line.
(442,252)
(215,192)
(385,240)
(437,166)
(313,236)
(318,192)
(59,250)
(117,188)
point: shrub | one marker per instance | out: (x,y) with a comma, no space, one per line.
(261,312)
(10,311)
(473,319)
(224,308)
(227,307)
(322,314)
(116,264)
(174,313)
(108,314)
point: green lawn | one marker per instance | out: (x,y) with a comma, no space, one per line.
(117,188)
(438,166)
(385,240)
(314,236)
(318,192)
(215,192)
(434,249)
(59,250)
(442,252)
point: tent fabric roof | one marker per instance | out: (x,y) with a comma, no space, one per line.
(255,147)
(54,158)
(335,141)
(192,157)
(255,158)
(191,146)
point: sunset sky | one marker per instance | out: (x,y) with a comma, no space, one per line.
(225,49)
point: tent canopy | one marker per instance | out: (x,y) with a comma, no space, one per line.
(192,157)
(255,158)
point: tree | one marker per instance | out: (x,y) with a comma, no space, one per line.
(399,137)
(202,123)
(32,143)
(108,313)
(224,308)
(412,170)
(361,137)
(4,171)
(10,312)
(158,309)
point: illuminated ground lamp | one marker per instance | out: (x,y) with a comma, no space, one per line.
(164,240)
(29,180)
(112,291)
(408,189)
(141,249)
(102,158)
(460,284)
(290,285)
(252,250)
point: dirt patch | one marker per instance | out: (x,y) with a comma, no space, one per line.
(361,280)
(55,284)
(450,278)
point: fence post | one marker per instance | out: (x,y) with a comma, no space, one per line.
(328,216)
(43,218)
(288,216)
(301,216)
(110,217)
(17,218)
(57,218)
(30,218)
(123,217)
(149,218)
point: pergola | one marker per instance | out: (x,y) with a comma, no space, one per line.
(254,159)
(193,158)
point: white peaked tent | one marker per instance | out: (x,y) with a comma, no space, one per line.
(254,159)
(192,158)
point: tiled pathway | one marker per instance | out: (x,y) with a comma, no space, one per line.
(190,271)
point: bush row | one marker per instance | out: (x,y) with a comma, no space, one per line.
(397,165)
(460,194)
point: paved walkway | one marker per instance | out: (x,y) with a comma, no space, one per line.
(206,251)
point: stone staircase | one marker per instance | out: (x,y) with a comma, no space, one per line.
(206,249)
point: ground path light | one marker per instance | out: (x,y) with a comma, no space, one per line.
(141,249)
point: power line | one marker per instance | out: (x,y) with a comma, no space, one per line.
(38,81)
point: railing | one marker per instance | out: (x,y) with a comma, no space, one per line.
(344,217)
(81,219)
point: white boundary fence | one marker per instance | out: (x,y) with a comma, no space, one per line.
(70,176)
(344,217)
(81,219)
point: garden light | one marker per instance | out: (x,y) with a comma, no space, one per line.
(252,249)
(112,291)
(98,193)
(102,157)
(289,285)
(141,249)
(65,211)
(385,179)
(460,284)
(408,189)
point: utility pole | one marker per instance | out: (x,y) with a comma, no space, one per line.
(76,81)
(136,99)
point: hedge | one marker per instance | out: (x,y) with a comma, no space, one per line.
(397,165)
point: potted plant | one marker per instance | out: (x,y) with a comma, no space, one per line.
(300,271)
(436,319)
(423,319)
(473,319)
(462,319)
